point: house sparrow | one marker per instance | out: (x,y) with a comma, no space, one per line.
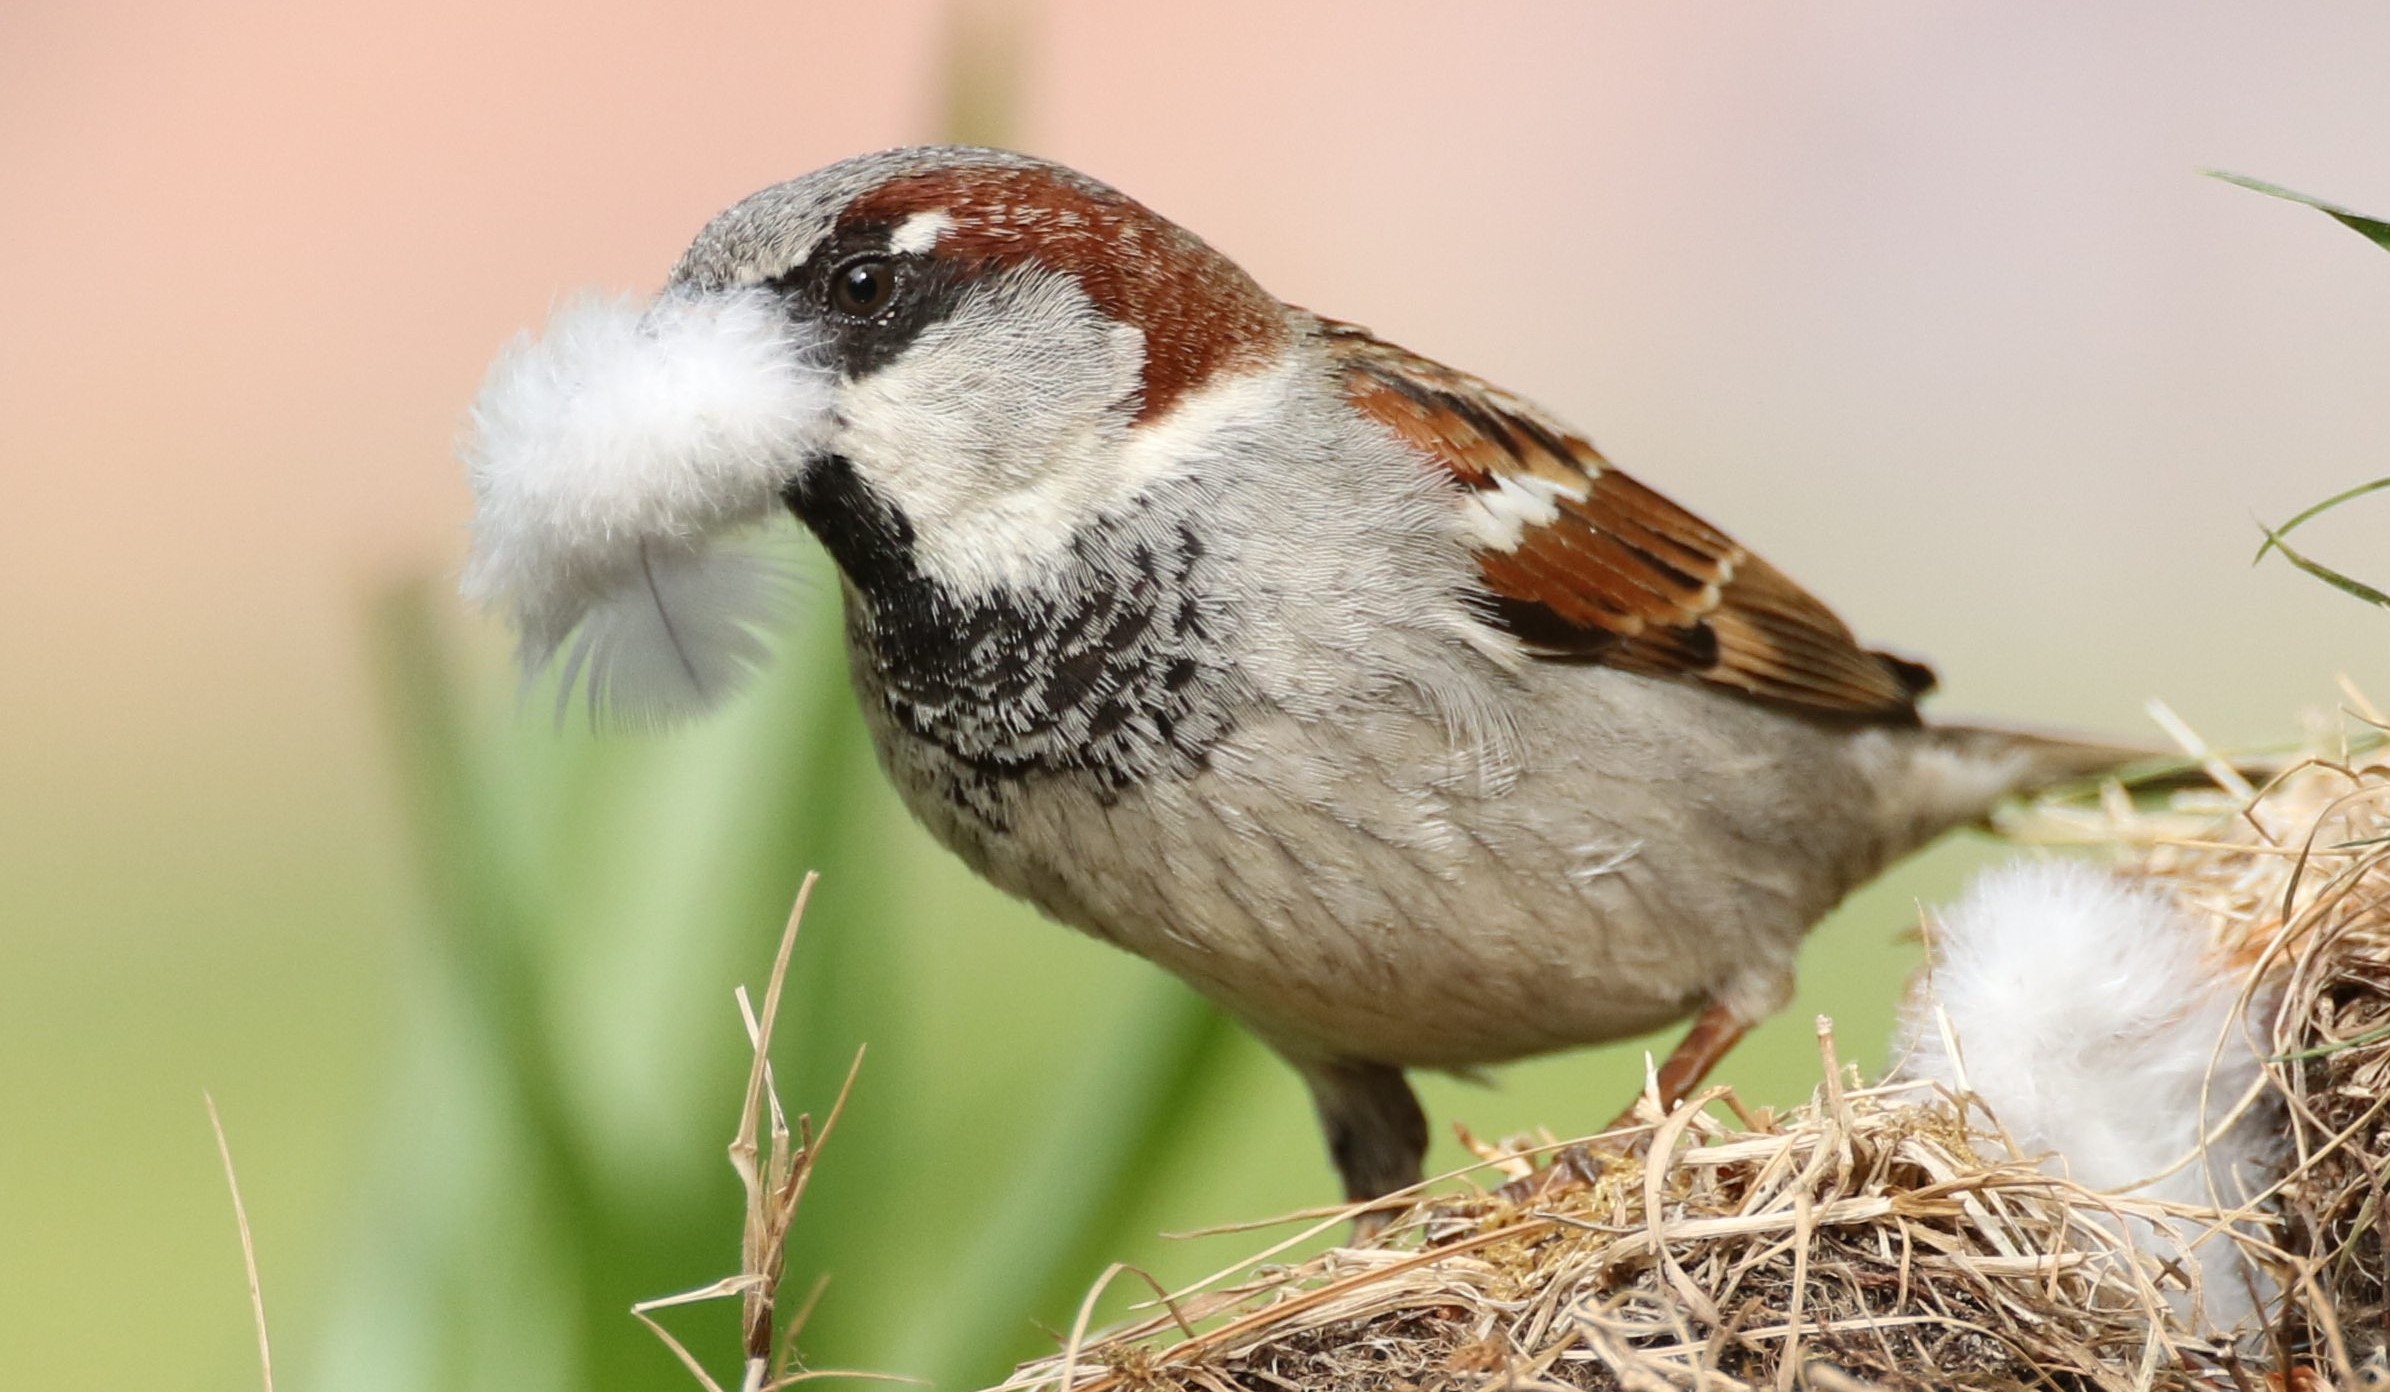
(1366,697)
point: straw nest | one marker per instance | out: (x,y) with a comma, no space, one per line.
(1887,1235)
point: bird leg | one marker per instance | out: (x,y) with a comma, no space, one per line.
(1716,1030)
(1376,1133)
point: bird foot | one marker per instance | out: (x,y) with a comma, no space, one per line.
(1574,1168)
(1370,1222)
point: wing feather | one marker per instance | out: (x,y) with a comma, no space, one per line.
(1583,563)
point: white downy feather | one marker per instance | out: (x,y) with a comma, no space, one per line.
(619,462)
(2094,1021)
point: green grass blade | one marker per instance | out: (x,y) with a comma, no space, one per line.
(2325,573)
(2371,1036)
(2273,537)
(2373,230)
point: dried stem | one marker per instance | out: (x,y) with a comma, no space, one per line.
(240,1218)
(774,1162)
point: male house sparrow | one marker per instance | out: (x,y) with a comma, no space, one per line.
(1366,697)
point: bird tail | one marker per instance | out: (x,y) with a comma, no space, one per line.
(1960,774)
(2019,760)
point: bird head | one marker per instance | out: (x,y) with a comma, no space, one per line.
(944,358)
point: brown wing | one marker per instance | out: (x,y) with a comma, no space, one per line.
(1584,563)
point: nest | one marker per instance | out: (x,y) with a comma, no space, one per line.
(1888,1235)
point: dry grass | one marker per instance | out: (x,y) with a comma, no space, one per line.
(1885,1235)
(240,1219)
(774,1163)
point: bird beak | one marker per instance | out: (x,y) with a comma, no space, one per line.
(620,462)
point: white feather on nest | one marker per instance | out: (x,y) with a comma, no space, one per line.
(621,464)
(2101,1029)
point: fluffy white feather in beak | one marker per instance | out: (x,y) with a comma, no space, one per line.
(616,461)
(2099,1026)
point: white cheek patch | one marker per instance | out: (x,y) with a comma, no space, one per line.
(615,459)
(999,430)
(1497,518)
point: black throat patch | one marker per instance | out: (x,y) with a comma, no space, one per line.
(1098,674)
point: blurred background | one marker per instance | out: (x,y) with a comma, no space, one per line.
(1926,303)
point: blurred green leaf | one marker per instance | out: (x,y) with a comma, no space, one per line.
(1109,1151)
(498,921)
(2372,229)
(483,918)
(985,57)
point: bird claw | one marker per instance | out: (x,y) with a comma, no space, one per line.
(1575,1167)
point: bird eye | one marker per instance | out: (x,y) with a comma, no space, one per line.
(863,288)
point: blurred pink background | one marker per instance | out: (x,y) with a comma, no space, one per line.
(1926,303)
